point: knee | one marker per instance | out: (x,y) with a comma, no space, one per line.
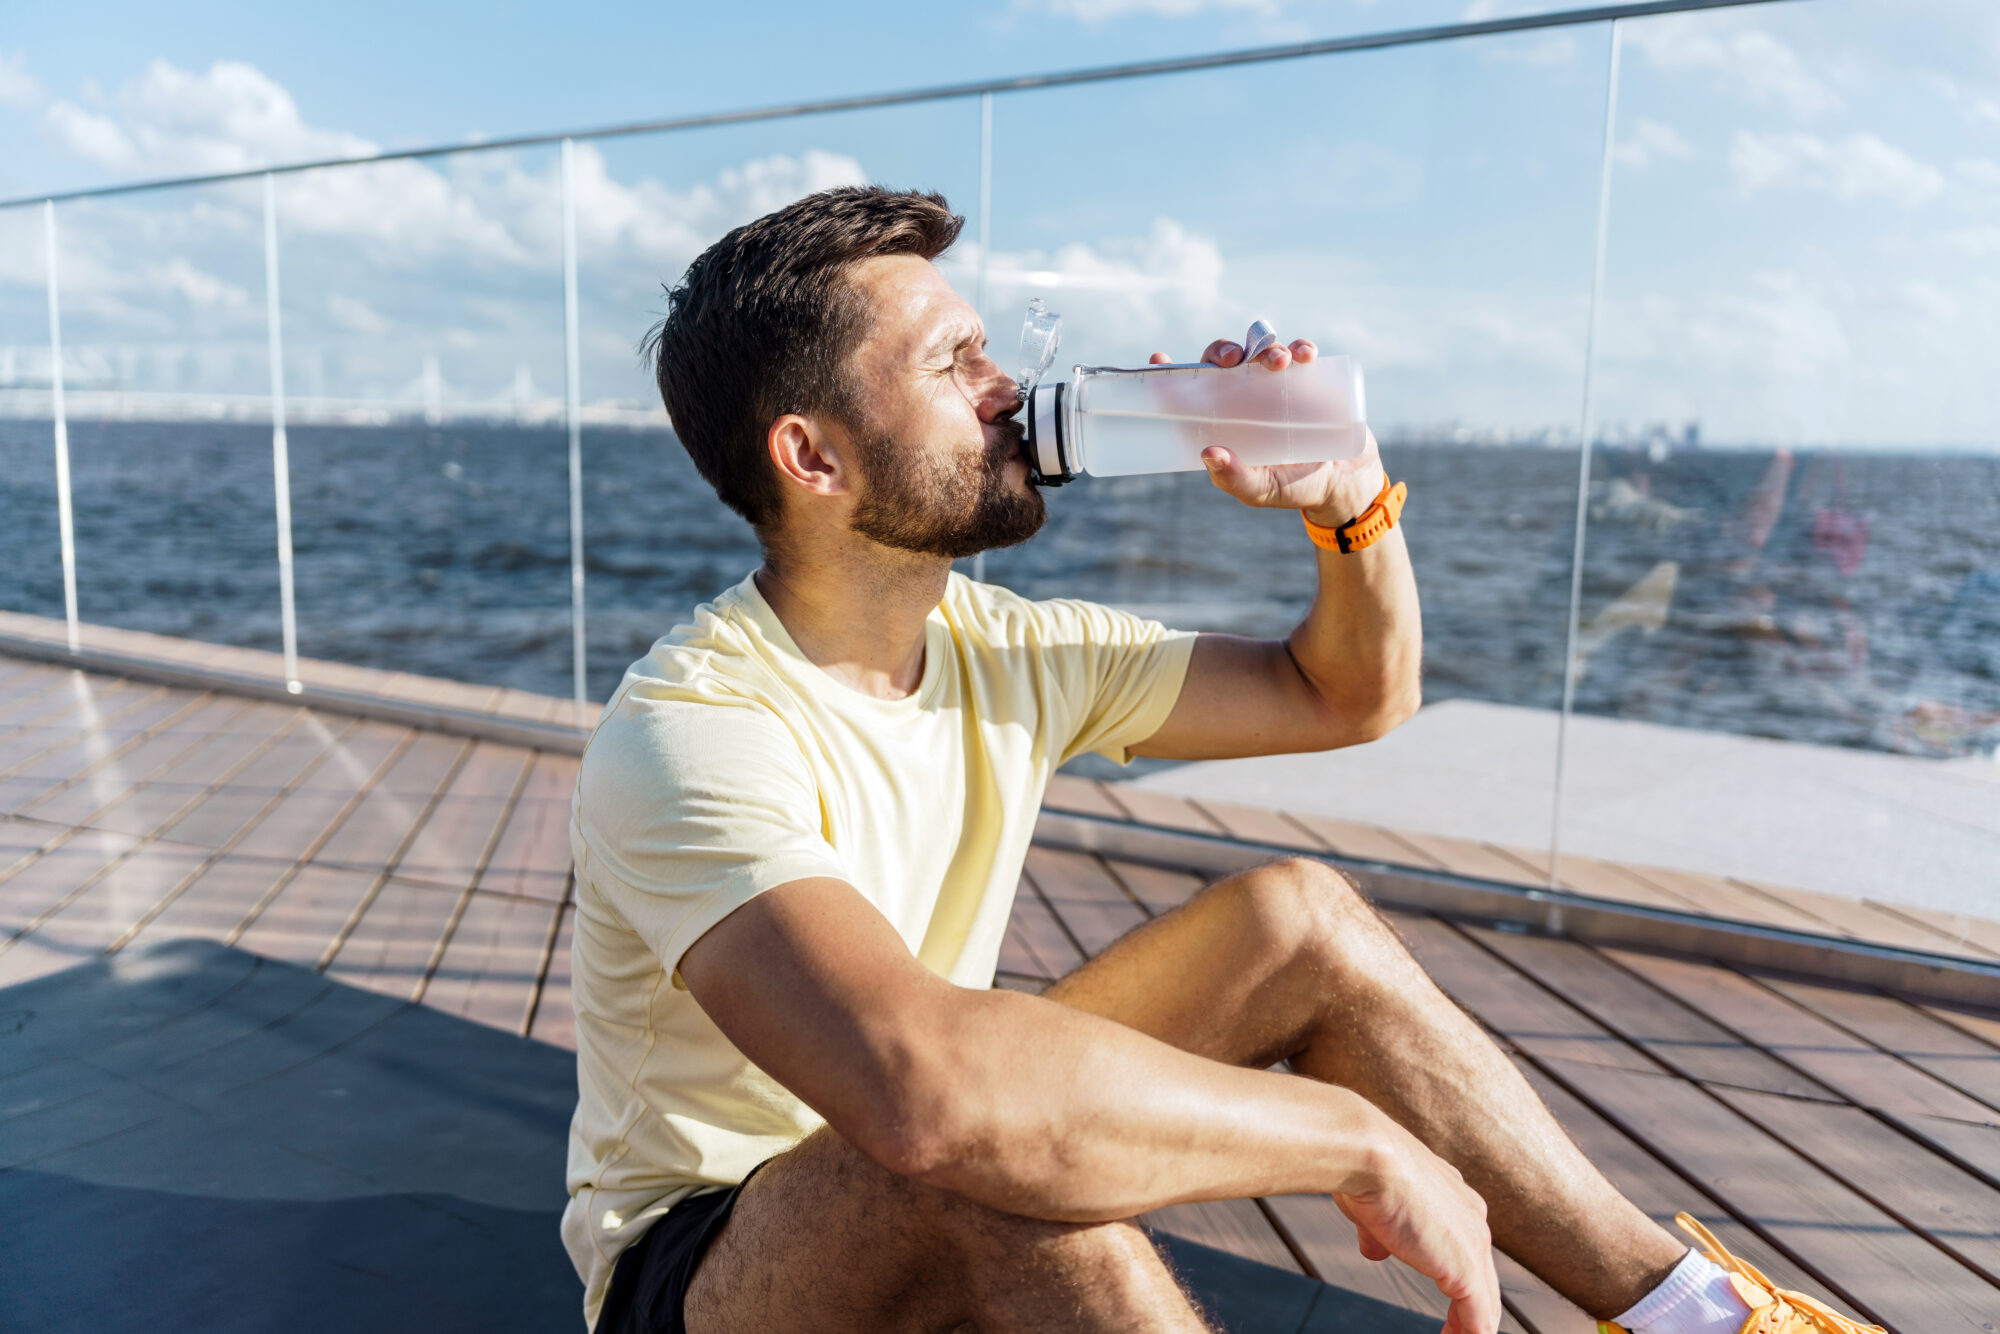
(1107,1258)
(1299,908)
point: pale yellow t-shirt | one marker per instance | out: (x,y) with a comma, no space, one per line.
(728,764)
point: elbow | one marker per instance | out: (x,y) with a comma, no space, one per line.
(1375,717)
(922,1125)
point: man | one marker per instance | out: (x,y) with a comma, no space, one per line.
(799,828)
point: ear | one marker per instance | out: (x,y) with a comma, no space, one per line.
(804,452)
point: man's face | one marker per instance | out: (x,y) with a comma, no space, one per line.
(938,445)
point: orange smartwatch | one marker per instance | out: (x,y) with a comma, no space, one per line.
(1366,528)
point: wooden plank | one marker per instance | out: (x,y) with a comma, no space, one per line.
(1853,918)
(1254,824)
(356,755)
(1085,796)
(1330,1245)
(531,856)
(1084,895)
(218,816)
(1165,810)
(1480,861)
(1851,1245)
(1944,1051)
(1608,880)
(1984,1026)
(426,766)
(391,947)
(1957,1211)
(303,920)
(1054,953)
(86,923)
(1857,1070)
(299,822)
(1670,1032)
(1157,888)
(554,1020)
(39,883)
(1723,898)
(1367,842)
(1887,1273)
(493,960)
(375,831)
(552,779)
(216,903)
(451,847)
(1017,959)
(1533,1020)
(1966,929)
(1656,1189)
(284,761)
(1236,1226)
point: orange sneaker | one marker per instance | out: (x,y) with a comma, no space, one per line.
(1773,1310)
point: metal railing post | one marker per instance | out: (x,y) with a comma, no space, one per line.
(1588,415)
(281,454)
(573,407)
(65,518)
(985,243)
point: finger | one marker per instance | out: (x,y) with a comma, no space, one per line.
(1222,352)
(1158,359)
(1275,357)
(1304,350)
(1252,486)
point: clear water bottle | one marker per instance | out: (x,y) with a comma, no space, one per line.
(1113,421)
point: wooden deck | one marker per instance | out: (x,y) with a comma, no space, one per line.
(1846,1140)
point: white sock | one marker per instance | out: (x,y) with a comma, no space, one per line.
(1695,1299)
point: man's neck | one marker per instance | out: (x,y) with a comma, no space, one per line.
(857,613)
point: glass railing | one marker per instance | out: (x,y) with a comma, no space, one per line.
(1746,253)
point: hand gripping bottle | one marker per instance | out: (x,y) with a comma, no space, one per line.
(1113,421)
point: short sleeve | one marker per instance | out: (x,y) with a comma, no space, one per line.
(1121,674)
(688,810)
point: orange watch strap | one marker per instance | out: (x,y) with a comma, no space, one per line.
(1366,528)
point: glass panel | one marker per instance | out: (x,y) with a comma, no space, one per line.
(659,542)
(424,362)
(165,375)
(1429,210)
(1791,616)
(30,557)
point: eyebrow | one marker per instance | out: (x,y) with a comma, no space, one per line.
(951,338)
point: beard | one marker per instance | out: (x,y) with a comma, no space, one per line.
(916,502)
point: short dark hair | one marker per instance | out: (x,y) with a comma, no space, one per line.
(763,323)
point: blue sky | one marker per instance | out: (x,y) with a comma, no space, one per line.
(1804,247)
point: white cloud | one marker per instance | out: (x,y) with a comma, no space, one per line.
(1978,242)
(1744,59)
(1650,141)
(171,121)
(18,88)
(1930,300)
(1859,166)
(355,315)
(1982,172)
(196,286)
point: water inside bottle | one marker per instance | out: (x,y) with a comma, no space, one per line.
(1160,418)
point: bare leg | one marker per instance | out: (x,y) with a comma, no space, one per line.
(1289,962)
(824,1240)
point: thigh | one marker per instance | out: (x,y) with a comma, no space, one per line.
(822,1238)
(1236,973)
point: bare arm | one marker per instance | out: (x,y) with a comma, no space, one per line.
(1026,1106)
(1350,671)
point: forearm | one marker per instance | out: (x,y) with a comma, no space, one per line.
(1052,1113)
(1360,645)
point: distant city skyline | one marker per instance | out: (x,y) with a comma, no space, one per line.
(1804,244)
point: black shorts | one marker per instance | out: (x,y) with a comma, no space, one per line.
(650,1280)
